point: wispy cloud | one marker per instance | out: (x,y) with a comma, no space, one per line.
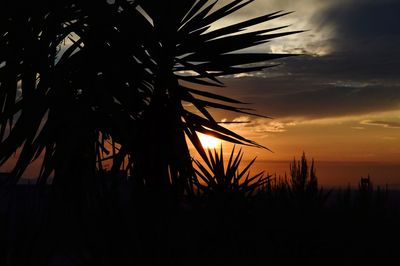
(258,126)
(314,96)
(242,75)
(357,121)
(379,123)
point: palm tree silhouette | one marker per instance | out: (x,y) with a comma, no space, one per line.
(81,83)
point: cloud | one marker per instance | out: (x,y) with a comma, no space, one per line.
(357,36)
(386,124)
(242,75)
(312,42)
(241,119)
(258,126)
(359,20)
(365,35)
(350,67)
(356,121)
(294,96)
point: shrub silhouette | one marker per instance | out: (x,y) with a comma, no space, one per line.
(303,183)
(369,199)
(225,179)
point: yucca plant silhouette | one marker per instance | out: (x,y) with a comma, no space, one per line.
(68,84)
(224,180)
(185,53)
(117,89)
(64,101)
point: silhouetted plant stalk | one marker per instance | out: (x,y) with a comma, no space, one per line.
(299,191)
(304,183)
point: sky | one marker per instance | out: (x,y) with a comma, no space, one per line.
(340,100)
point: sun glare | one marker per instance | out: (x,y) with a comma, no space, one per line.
(209,142)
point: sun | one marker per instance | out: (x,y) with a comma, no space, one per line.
(209,142)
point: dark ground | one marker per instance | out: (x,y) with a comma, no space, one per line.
(211,232)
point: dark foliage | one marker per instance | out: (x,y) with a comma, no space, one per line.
(78,89)
(304,183)
(225,179)
(84,84)
(265,231)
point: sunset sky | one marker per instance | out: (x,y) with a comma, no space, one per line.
(340,101)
